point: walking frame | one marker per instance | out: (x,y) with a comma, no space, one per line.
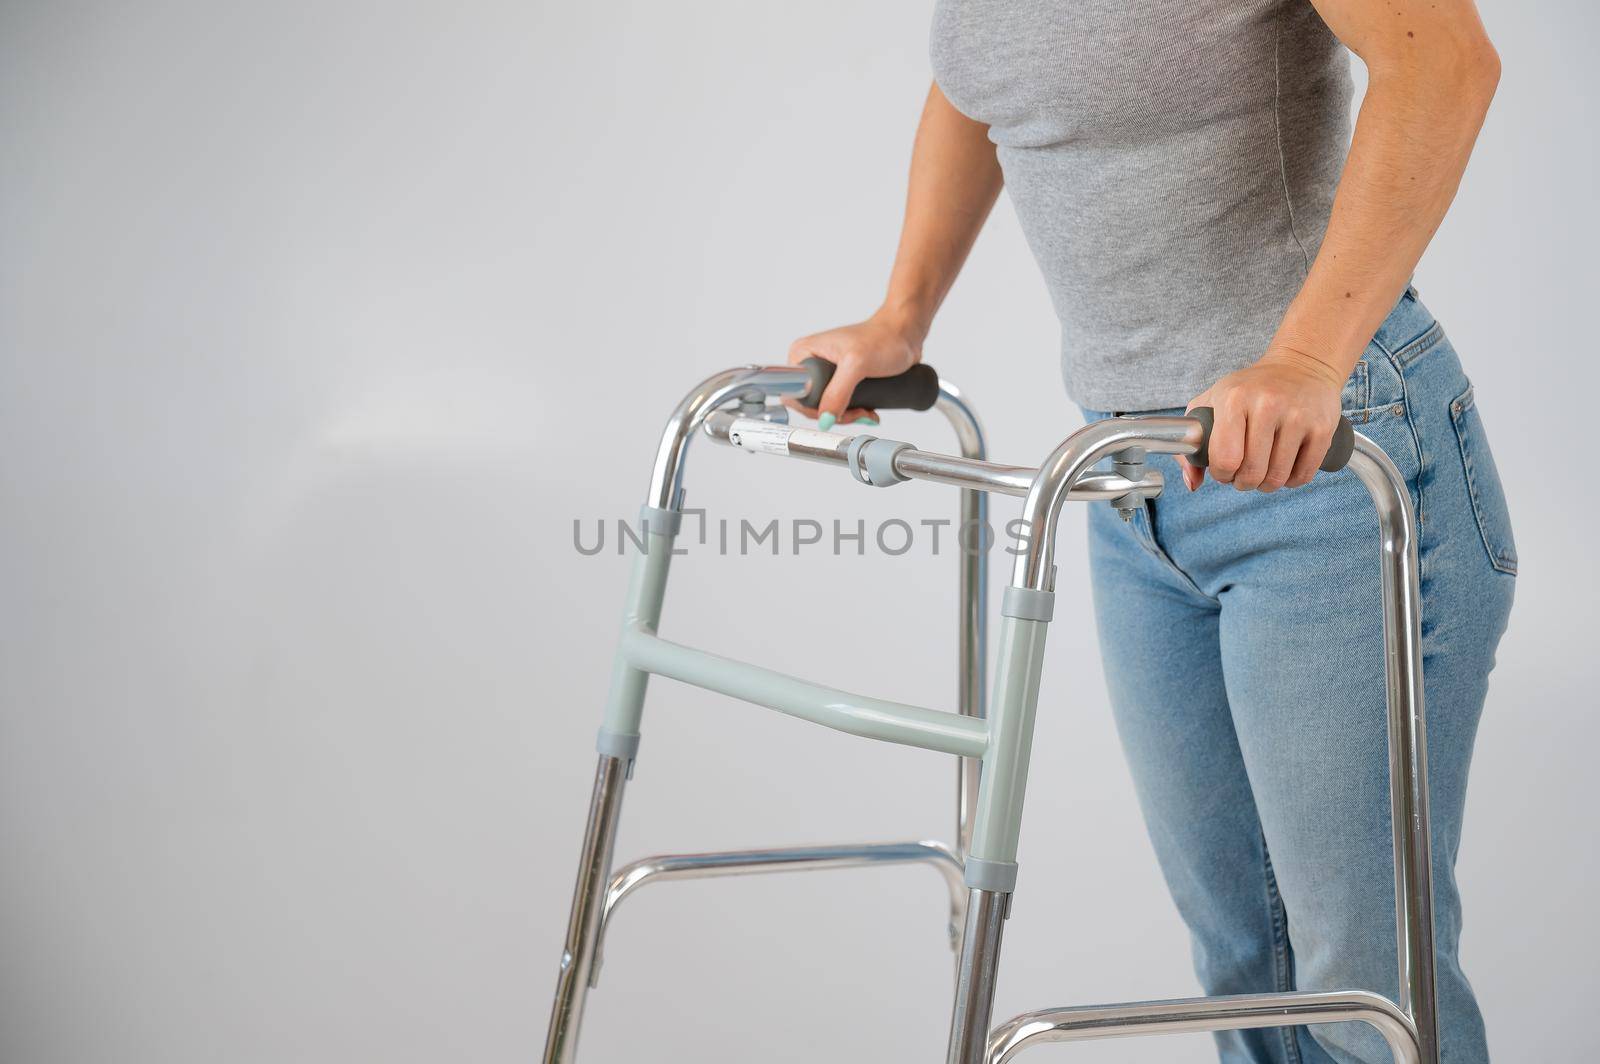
(992,744)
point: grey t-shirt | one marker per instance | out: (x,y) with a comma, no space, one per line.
(1172,162)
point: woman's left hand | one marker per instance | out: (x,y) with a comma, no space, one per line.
(1274,422)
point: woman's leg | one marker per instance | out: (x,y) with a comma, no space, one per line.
(1302,654)
(1294,577)
(1160,640)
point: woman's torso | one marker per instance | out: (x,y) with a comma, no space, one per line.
(1173,164)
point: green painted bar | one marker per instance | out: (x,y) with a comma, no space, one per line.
(647,586)
(1018,661)
(874,718)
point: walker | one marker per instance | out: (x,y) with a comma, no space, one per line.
(991,744)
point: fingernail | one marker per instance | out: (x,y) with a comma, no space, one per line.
(825,422)
(870,422)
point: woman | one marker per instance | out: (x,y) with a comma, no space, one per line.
(1212,235)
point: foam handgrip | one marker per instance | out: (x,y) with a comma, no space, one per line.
(915,389)
(1338,456)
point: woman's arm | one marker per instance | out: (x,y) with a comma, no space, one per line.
(955,179)
(1431,73)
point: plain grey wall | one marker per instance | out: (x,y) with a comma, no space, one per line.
(319,325)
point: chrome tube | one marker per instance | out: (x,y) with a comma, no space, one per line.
(789,859)
(666,478)
(962,472)
(588,908)
(965,473)
(1408,741)
(972,641)
(1189,1015)
(1094,486)
(1068,464)
(975,976)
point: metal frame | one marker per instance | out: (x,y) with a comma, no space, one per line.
(993,742)
(631,877)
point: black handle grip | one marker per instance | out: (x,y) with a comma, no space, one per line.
(1338,456)
(915,389)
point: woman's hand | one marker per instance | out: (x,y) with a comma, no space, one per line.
(877,347)
(1274,422)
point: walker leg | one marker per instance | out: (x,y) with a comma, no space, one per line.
(991,864)
(975,976)
(588,903)
(972,547)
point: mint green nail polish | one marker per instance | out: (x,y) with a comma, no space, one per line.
(825,422)
(870,422)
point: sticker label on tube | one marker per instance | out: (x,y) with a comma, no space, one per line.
(759,437)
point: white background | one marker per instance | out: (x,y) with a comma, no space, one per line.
(320,323)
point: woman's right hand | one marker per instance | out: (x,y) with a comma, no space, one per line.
(876,347)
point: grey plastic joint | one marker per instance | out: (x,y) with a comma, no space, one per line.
(624,748)
(1129,462)
(880,456)
(661,522)
(1000,876)
(1028,604)
(871,460)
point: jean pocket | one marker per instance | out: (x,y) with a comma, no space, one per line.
(1483,484)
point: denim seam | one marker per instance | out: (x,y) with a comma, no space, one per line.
(1458,409)
(1156,551)
(1369,414)
(1363,384)
(1280,949)
(1408,353)
(1406,356)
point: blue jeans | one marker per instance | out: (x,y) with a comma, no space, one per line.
(1243,643)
